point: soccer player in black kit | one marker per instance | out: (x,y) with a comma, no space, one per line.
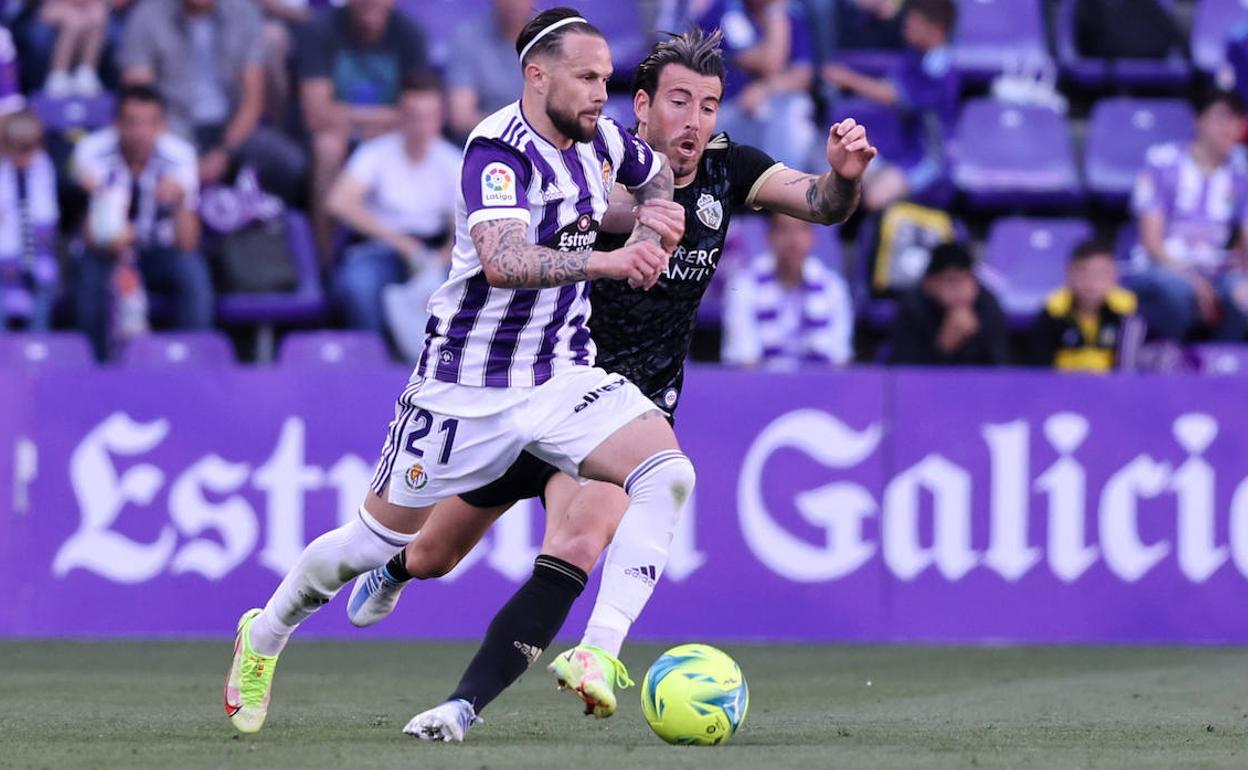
(645,336)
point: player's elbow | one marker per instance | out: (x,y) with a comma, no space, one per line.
(498,279)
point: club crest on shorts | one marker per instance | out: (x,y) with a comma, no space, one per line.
(416,478)
(710,212)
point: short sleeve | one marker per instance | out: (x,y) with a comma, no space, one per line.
(315,48)
(749,168)
(637,163)
(364,165)
(494,179)
(252,27)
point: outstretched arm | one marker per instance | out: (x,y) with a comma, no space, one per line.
(510,261)
(660,187)
(828,199)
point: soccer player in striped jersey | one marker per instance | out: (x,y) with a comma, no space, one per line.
(645,334)
(508,364)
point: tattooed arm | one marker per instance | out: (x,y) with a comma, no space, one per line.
(827,199)
(660,187)
(511,261)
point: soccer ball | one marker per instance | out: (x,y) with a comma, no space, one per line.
(694,694)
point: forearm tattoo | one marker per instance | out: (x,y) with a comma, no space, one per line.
(514,263)
(831,198)
(661,186)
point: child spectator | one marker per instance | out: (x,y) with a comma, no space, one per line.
(949,319)
(786,309)
(924,89)
(1089,324)
(81,26)
(29,275)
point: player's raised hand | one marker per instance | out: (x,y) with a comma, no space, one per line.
(667,218)
(849,150)
(640,263)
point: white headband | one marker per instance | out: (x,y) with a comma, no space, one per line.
(548,30)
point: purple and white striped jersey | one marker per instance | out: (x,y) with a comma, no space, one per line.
(498,338)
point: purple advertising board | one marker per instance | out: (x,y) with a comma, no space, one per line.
(853,506)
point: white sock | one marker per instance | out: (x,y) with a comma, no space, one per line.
(658,490)
(326,565)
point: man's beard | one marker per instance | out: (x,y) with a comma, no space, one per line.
(569,124)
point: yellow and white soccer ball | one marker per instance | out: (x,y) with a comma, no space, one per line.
(695,695)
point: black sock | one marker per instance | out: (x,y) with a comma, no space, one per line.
(396,568)
(521,630)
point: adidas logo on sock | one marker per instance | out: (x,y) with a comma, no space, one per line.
(529,651)
(647,574)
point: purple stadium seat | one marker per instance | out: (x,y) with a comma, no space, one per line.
(884,125)
(334,348)
(1212,24)
(305,305)
(1010,156)
(439,18)
(74,112)
(995,35)
(1128,252)
(1172,73)
(1025,259)
(59,349)
(1219,358)
(200,349)
(1120,131)
(869,62)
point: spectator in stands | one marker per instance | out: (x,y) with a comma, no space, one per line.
(786,309)
(144,184)
(870,25)
(282,19)
(482,75)
(924,88)
(29,216)
(407,234)
(81,26)
(769,74)
(11,99)
(1192,206)
(206,59)
(949,319)
(352,61)
(1090,324)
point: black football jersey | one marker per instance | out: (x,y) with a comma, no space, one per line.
(645,335)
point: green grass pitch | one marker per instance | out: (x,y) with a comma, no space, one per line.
(342,705)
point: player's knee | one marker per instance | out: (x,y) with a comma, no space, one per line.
(581,547)
(673,477)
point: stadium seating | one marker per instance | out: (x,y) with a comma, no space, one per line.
(439,18)
(1172,73)
(333,348)
(75,112)
(1212,24)
(884,125)
(1120,131)
(1218,358)
(59,349)
(201,348)
(264,311)
(1025,259)
(996,35)
(1014,156)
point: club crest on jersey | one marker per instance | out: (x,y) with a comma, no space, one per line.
(416,478)
(606,174)
(710,212)
(498,185)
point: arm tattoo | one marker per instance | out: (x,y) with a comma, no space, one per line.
(831,198)
(511,262)
(661,185)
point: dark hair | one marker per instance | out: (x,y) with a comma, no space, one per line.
(1090,248)
(550,43)
(139,93)
(694,49)
(948,256)
(941,12)
(1210,95)
(423,81)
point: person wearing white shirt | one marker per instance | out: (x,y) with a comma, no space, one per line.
(144,188)
(786,309)
(397,194)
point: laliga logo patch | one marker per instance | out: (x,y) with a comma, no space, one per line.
(498,185)
(416,478)
(710,212)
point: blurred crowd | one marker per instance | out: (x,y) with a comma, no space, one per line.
(161,158)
